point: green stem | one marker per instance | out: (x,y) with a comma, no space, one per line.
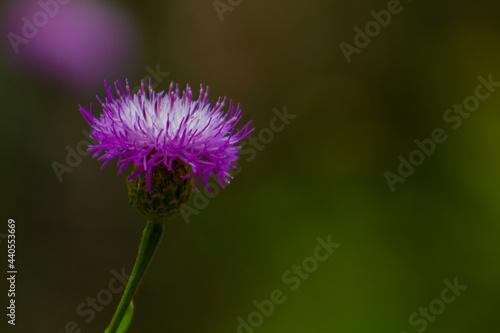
(150,240)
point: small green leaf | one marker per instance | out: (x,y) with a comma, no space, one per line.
(127,318)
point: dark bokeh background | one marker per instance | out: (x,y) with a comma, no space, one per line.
(322,175)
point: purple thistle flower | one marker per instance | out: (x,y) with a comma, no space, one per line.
(159,128)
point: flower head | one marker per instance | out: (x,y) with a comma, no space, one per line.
(153,129)
(77,48)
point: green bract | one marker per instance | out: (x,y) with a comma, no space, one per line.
(169,191)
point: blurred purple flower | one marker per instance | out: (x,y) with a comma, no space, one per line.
(160,128)
(80,42)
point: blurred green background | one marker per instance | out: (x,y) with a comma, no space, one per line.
(322,175)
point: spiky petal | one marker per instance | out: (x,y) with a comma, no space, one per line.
(149,128)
